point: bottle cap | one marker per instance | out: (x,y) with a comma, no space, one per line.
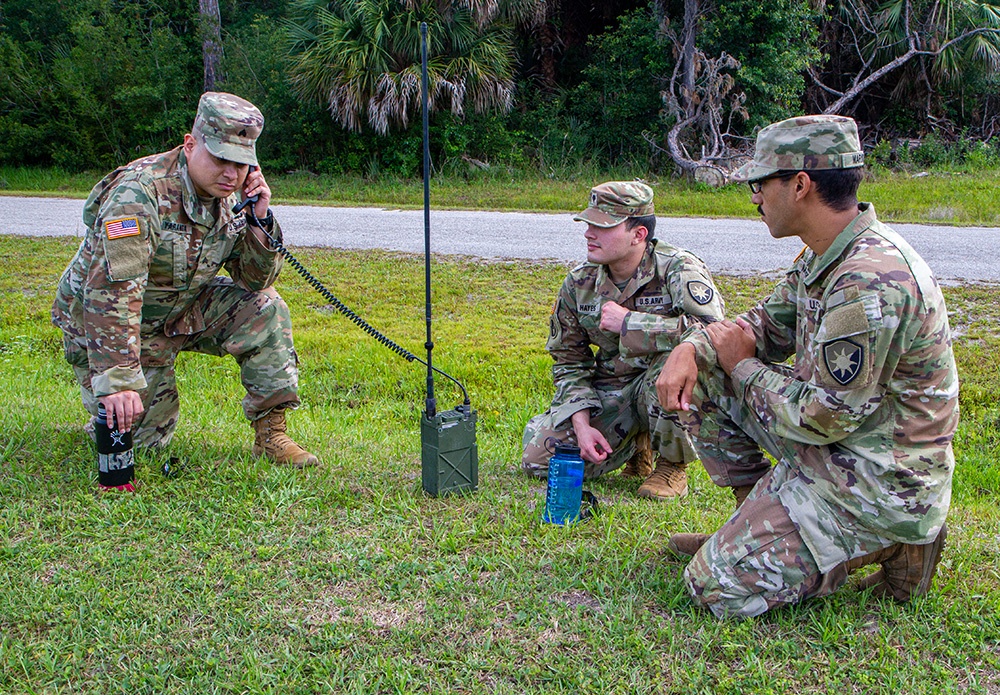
(567,450)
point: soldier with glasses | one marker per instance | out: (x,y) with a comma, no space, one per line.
(860,421)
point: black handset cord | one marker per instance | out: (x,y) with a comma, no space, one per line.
(344,309)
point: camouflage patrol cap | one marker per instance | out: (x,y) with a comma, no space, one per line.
(804,143)
(228,126)
(614,202)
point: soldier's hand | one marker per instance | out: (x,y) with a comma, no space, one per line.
(613,316)
(124,406)
(256,185)
(676,381)
(593,446)
(733,342)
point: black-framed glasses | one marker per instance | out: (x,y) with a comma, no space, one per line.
(756,185)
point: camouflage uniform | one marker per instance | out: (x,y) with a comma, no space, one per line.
(671,290)
(144,284)
(861,422)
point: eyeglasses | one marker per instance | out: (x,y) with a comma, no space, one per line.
(755,186)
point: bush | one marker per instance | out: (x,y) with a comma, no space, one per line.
(983,155)
(932,152)
(114,85)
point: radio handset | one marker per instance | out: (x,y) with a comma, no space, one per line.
(246,201)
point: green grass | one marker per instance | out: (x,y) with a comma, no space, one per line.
(240,577)
(956,197)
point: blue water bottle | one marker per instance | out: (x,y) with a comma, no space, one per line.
(565,486)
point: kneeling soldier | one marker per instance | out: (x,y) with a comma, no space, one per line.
(632,300)
(145,285)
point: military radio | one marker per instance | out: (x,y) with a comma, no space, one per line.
(449,455)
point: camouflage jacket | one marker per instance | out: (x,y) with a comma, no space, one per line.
(669,288)
(871,402)
(151,246)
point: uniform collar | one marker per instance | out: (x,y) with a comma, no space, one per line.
(642,275)
(198,212)
(817,265)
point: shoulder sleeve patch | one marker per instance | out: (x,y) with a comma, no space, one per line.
(701,292)
(125,248)
(121,227)
(847,338)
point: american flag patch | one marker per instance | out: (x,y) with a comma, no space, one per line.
(126,226)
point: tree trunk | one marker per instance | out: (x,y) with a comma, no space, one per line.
(211,42)
(690,32)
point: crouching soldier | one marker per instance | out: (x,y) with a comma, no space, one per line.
(633,299)
(145,285)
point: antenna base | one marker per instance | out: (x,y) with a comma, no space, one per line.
(449,454)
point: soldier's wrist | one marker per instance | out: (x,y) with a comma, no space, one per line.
(267,223)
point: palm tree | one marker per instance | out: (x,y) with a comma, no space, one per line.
(362,57)
(877,37)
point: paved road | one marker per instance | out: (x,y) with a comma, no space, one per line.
(728,246)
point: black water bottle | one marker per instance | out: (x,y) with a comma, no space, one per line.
(115,460)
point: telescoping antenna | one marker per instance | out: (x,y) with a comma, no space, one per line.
(449,455)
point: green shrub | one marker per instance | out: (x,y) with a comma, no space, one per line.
(983,155)
(932,151)
(881,155)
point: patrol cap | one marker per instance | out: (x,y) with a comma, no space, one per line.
(228,126)
(804,143)
(614,202)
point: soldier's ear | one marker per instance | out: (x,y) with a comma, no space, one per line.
(640,234)
(803,184)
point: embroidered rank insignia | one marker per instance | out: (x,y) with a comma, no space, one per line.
(843,359)
(122,227)
(700,292)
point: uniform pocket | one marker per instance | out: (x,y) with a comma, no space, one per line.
(125,247)
(846,343)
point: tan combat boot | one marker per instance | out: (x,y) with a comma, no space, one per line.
(741,492)
(686,543)
(907,570)
(641,463)
(689,543)
(273,442)
(668,482)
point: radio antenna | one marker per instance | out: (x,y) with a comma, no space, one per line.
(449,456)
(431,402)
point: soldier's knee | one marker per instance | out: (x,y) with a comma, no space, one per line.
(535,460)
(716,582)
(720,590)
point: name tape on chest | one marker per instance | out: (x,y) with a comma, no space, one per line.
(652,301)
(121,227)
(238,223)
(173,226)
(590,308)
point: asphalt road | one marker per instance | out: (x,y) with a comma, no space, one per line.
(741,247)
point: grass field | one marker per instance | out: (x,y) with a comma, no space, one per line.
(953,197)
(235,576)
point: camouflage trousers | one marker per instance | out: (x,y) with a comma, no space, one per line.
(785,543)
(253,327)
(623,414)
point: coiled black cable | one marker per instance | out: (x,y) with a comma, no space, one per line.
(345,310)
